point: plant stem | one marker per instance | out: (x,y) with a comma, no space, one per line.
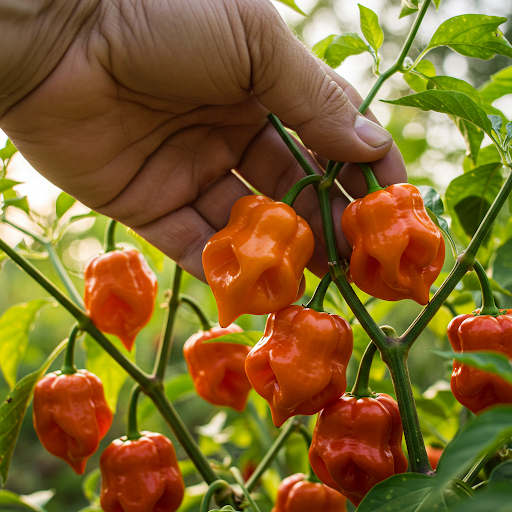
(240,481)
(164,350)
(215,488)
(477,467)
(317,301)
(371,180)
(206,323)
(110,238)
(304,432)
(133,429)
(68,367)
(488,304)
(292,194)
(361,388)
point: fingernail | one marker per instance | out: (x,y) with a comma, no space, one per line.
(371,133)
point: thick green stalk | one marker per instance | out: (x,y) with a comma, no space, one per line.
(317,301)
(488,304)
(110,236)
(204,320)
(68,367)
(361,388)
(371,181)
(292,194)
(133,428)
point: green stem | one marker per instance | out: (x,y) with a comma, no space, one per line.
(477,467)
(164,350)
(214,489)
(488,304)
(361,388)
(204,320)
(133,429)
(110,236)
(292,194)
(304,432)
(290,427)
(371,180)
(288,140)
(317,301)
(68,367)
(240,481)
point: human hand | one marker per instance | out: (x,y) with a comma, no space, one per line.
(154,103)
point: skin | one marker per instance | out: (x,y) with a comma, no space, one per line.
(141,109)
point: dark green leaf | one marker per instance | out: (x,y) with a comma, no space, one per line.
(32,502)
(64,203)
(509,134)
(13,410)
(431,199)
(499,85)
(473,138)
(342,47)
(249,338)
(320,47)
(488,501)
(473,35)
(15,326)
(448,102)
(416,81)
(501,474)
(408,7)
(496,121)
(293,5)
(502,268)
(370,27)
(442,224)
(7,184)
(7,151)
(449,83)
(18,202)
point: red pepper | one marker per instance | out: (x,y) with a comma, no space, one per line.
(255,264)
(218,369)
(71,416)
(473,388)
(141,475)
(120,293)
(299,365)
(357,443)
(296,494)
(398,251)
(433,454)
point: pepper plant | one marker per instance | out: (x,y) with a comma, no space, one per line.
(402,260)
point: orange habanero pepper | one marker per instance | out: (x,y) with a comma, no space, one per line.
(357,443)
(398,251)
(120,293)
(299,365)
(433,454)
(141,475)
(71,416)
(255,264)
(473,388)
(218,369)
(296,494)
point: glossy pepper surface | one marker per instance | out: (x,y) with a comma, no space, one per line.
(473,388)
(299,365)
(71,416)
(120,293)
(255,264)
(357,443)
(141,475)
(398,251)
(296,494)
(218,369)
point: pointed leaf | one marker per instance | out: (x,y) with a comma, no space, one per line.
(473,138)
(18,202)
(509,133)
(63,204)
(320,47)
(496,121)
(293,5)
(7,184)
(342,47)
(408,7)
(449,83)
(15,326)
(473,35)
(22,502)
(7,151)
(370,27)
(416,82)
(437,3)
(13,410)
(499,85)
(431,199)
(249,338)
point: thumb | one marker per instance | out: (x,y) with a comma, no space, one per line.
(293,84)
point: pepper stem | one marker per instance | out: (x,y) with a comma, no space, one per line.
(217,487)
(371,180)
(68,367)
(317,301)
(133,429)
(488,304)
(110,239)
(361,388)
(304,432)
(205,321)
(292,194)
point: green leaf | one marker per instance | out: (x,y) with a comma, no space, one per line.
(18,202)
(342,47)
(473,35)
(484,434)
(104,367)
(509,134)
(89,485)
(13,410)
(501,474)
(7,151)
(32,502)
(470,282)
(63,204)
(15,326)
(76,218)
(370,27)
(473,138)
(414,79)
(156,255)
(499,85)
(408,7)
(7,184)
(431,199)
(496,121)
(320,47)
(488,501)
(293,5)
(249,338)
(502,267)
(447,102)
(449,83)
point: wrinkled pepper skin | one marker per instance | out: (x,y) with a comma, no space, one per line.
(296,494)
(120,293)
(299,365)
(71,416)
(357,443)
(141,475)
(398,251)
(255,264)
(218,369)
(473,388)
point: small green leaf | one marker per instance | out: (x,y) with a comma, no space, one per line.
(18,202)
(249,338)
(496,121)
(473,35)
(13,410)
(63,204)
(320,47)
(76,218)
(442,224)
(415,78)
(431,199)
(7,151)
(342,47)
(29,502)
(499,85)
(15,326)
(408,7)
(509,133)
(293,5)
(502,266)
(7,184)
(370,27)
(437,3)
(89,485)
